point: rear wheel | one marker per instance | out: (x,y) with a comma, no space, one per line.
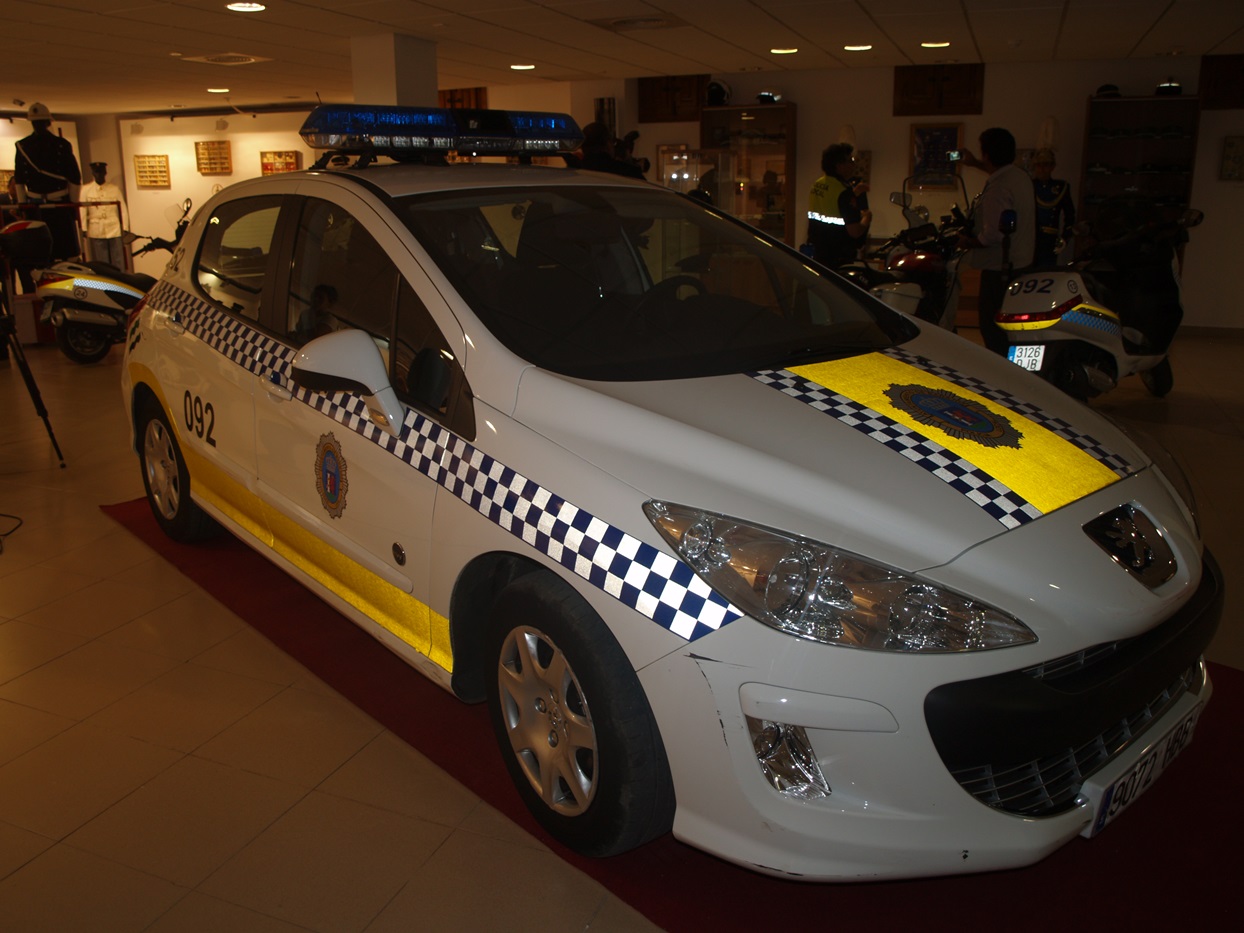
(83,344)
(167,480)
(1160,379)
(572,721)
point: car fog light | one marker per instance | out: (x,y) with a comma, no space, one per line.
(785,756)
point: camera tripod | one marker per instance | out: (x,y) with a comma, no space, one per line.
(8,337)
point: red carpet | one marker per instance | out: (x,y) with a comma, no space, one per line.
(1172,860)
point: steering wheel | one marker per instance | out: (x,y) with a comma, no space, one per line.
(668,288)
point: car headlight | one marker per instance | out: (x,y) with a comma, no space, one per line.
(824,594)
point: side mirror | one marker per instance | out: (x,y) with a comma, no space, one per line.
(350,361)
(900,198)
(1008,223)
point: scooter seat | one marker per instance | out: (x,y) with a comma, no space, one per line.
(138,280)
(867,277)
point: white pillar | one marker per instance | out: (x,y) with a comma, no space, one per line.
(394,69)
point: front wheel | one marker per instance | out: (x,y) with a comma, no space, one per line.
(1160,379)
(572,721)
(167,480)
(83,344)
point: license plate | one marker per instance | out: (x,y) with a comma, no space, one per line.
(1028,355)
(1128,787)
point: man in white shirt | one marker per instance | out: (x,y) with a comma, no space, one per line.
(1008,188)
(104,222)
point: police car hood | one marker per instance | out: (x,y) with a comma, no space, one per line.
(911,455)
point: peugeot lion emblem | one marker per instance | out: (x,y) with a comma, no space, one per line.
(1133,542)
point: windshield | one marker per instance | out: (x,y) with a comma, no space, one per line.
(625,283)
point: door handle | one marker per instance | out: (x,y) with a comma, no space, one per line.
(275,388)
(175,323)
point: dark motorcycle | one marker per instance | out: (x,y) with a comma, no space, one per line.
(921,263)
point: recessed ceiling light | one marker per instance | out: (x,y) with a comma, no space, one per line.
(218,90)
(856,48)
(522,67)
(934,45)
(246,7)
(783,51)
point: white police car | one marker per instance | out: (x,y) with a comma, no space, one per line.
(727,546)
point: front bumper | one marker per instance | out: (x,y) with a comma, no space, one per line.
(1025,741)
(895,809)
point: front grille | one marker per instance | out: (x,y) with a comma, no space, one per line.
(1072,663)
(1045,786)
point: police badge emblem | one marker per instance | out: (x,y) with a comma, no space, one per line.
(959,417)
(330,475)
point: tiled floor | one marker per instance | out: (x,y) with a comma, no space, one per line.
(164,768)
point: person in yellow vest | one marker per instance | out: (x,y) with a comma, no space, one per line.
(838,214)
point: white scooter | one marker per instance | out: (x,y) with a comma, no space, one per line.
(88,303)
(1110,314)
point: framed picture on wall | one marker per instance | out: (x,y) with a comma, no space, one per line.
(275,162)
(864,165)
(151,171)
(213,157)
(931,144)
(1232,166)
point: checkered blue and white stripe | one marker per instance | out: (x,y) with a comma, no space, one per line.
(106,286)
(1093,322)
(997,499)
(651,582)
(1064,429)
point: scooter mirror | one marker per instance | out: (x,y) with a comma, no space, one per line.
(900,199)
(1008,222)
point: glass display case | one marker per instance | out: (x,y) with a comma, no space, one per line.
(744,155)
(1138,154)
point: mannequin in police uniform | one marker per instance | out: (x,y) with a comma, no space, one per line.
(838,214)
(1056,212)
(46,172)
(104,223)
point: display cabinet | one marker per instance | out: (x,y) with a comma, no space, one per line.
(1139,153)
(752,149)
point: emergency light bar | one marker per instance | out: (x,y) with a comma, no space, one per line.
(411,132)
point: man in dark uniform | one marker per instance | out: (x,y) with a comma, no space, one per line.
(1056,212)
(838,214)
(46,172)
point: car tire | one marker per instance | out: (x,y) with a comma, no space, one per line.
(82,344)
(1160,379)
(572,721)
(167,480)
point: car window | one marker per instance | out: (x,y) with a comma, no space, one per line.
(640,283)
(339,277)
(426,373)
(233,258)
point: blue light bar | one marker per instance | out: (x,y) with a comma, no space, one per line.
(402,132)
